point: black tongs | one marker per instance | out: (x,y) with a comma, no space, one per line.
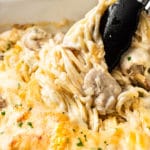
(117,27)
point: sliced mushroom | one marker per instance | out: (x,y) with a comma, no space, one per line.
(137,69)
(135,65)
(104,89)
(137,76)
(34,38)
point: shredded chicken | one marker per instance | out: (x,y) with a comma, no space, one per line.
(58,38)
(34,38)
(104,88)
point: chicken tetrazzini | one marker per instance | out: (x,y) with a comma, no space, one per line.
(56,92)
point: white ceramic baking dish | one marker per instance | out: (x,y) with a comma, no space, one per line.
(29,11)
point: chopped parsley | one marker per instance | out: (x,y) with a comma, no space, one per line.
(79,142)
(30,124)
(18,105)
(85,137)
(20,124)
(8,45)
(105,142)
(129,58)
(3,113)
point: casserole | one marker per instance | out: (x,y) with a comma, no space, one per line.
(56,91)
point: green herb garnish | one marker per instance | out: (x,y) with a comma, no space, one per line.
(18,105)
(85,137)
(20,124)
(3,113)
(129,58)
(106,142)
(79,142)
(8,46)
(30,124)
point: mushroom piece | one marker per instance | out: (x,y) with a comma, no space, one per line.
(103,88)
(138,77)
(34,38)
(135,65)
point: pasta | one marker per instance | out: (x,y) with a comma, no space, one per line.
(56,92)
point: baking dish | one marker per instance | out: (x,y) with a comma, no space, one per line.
(29,11)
